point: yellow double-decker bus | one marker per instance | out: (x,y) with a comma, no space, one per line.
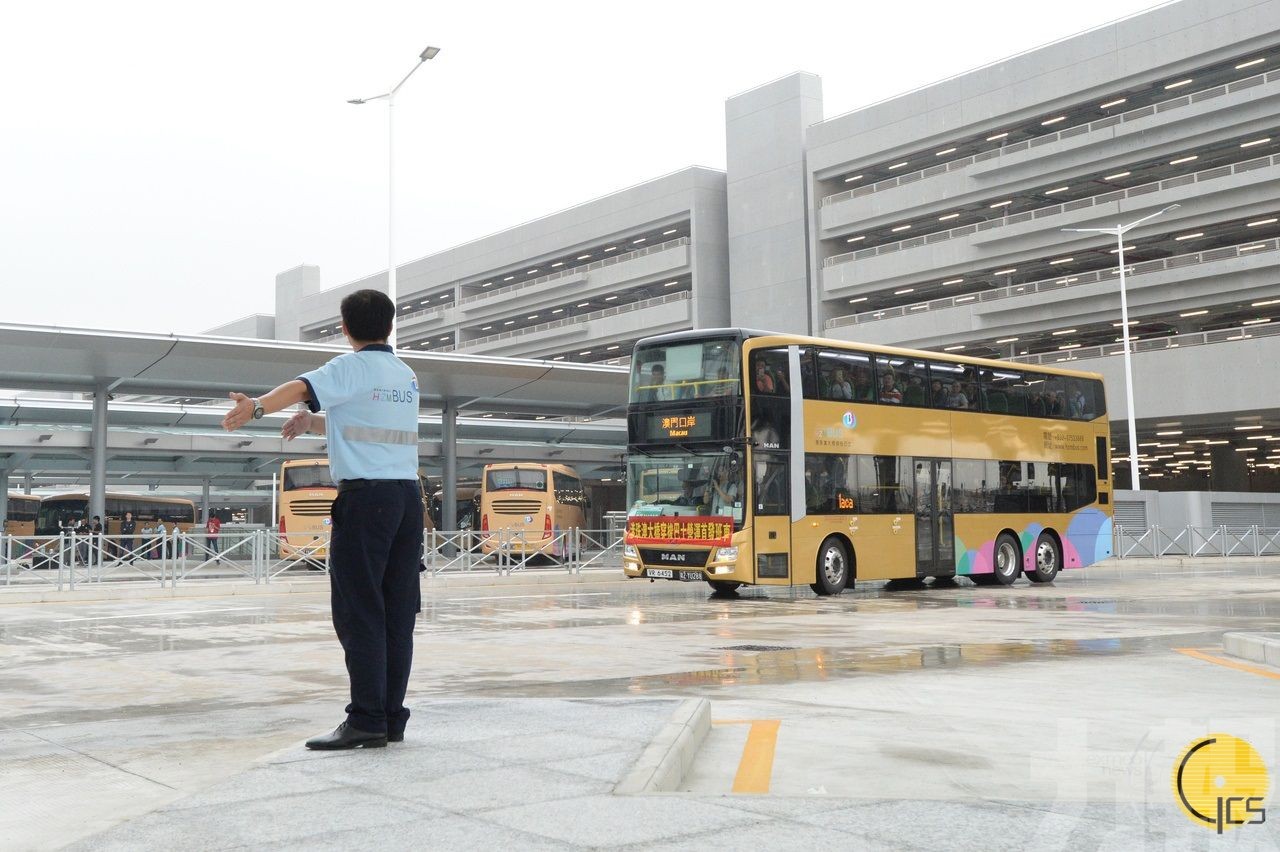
(770,459)
(524,507)
(20,518)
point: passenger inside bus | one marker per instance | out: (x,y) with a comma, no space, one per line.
(889,393)
(725,494)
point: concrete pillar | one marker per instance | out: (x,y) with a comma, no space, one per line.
(449,449)
(1229,471)
(204,502)
(98,463)
(4,497)
(27,483)
(768,207)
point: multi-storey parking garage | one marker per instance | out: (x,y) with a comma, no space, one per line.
(936,220)
(580,285)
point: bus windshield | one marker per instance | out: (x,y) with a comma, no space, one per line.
(55,514)
(679,370)
(511,479)
(310,476)
(685,483)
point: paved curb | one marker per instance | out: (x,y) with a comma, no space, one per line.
(1203,562)
(669,756)
(311,585)
(1258,647)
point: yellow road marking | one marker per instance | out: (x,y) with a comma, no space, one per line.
(756,767)
(1231,664)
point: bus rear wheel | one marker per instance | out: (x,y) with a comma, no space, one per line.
(1008,559)
(833,568)
(723,587)
(1048,560)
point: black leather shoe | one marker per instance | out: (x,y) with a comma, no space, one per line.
(344,736)
(394,737)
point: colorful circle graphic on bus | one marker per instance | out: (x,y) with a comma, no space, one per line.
(849,420)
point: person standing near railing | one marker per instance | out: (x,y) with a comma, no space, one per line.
(371,399)
(128,527)
(95,530)
(212,528)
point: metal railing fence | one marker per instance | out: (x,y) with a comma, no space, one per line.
(1056,209)
(70,561)
(1048,138)
(1222,541)
(576,319)
(1153,344)
(1058,282)
(574,270)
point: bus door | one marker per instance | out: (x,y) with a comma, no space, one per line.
(775,411)
(935,533)
(771,522)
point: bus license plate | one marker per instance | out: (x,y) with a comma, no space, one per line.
(669,574)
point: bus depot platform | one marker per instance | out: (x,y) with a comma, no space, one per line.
(1022,717)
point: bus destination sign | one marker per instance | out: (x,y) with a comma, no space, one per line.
(678,427)
(710,530)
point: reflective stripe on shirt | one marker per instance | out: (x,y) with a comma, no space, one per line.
(369,435)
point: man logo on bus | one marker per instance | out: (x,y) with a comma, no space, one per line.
(1220,782)
(849,420)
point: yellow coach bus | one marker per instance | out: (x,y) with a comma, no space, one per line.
(63,510)
(759,458)
(307,492)
(532,502)
(306,495)
(21,516)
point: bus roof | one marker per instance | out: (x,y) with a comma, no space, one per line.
(17,495)
(304,462)
(559,468)
(117,495)
(782,338)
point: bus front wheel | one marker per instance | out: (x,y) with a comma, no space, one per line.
(1008,557)
(1048,560)
(833,568)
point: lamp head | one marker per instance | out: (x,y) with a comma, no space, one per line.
(429,53)
(356,101)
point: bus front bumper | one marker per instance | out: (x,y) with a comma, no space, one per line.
(722,565)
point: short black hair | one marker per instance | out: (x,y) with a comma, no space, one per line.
(368,315)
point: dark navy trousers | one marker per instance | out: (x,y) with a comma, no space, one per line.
(376,596)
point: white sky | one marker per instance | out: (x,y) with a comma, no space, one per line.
(161,162)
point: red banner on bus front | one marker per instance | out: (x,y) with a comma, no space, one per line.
(714,530)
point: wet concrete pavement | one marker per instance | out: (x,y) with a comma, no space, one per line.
(1067,697)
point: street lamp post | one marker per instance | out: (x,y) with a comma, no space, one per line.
(428,53)
(1120,231)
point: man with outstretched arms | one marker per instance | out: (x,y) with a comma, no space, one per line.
(370,399)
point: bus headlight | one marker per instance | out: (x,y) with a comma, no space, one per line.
(629,551)
(727,554)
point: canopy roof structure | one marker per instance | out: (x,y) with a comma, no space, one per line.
(66,359)
(476,409)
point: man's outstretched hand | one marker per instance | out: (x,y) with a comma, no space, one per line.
(298,424)
(240,414)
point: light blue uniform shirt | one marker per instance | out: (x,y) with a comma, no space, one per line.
(371,402)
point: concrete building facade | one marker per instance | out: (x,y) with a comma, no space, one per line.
(935,220)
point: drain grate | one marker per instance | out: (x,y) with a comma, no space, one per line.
(758,648)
